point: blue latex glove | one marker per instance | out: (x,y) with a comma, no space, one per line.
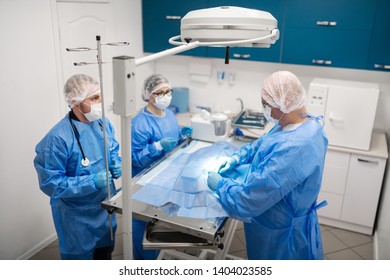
(115,169)
(168,143)
(100,179)
(229,164)
(213,180)
(186,131)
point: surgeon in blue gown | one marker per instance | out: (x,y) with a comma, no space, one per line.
(278,199)
(155,132)
(70,164)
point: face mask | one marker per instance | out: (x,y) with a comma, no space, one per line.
(95,113)
(163,102)
(267,115)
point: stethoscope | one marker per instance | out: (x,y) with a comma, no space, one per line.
(84,160)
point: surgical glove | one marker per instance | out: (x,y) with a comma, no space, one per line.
(186,131)
(230,163)
(213,180)
(168,143)
(100,179)
(115,169)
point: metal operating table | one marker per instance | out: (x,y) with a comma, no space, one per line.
(164,232)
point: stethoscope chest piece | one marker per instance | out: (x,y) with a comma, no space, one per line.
(85,162)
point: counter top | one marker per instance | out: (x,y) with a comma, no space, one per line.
(378,147)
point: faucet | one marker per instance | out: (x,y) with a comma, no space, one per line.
(242,104)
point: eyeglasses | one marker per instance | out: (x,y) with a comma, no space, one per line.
(163,93)
(264,103)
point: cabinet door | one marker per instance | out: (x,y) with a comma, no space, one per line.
(331,14)
(379,56)
(328,33)
(326,47)
(335,173)
(161,21)
(334,179)
(363,190)
(271,54)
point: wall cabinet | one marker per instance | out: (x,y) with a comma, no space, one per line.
(328,33)
(352,185)
(379,55)
(161,21)
(335,33)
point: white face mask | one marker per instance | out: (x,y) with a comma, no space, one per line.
(267,115)
(163,102)
(95,113)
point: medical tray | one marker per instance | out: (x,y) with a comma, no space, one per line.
(249,119)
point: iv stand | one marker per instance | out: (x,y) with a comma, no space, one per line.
(106,153)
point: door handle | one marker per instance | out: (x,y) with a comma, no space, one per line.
(173,17)
(367,161)
(326,23)
(382,66)
(321,62)
(332,118)
(242,56)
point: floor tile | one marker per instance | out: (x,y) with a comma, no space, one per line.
(351,238)
(366,251)
(331,243)
(240,254)
(236,245)
(117,257)
(241,235)
(347,254)
(52,253)
(324,228)
(240,225)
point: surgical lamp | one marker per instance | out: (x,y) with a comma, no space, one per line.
(213,27)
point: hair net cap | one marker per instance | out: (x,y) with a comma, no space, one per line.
(284,91)
(79,87)
(152,84)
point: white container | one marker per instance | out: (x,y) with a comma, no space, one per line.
(205,128)
(348,108)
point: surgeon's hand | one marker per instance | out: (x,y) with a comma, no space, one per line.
(115,169)
(213,180)
(186,131)
(100,179)
(229,164)
(168,143)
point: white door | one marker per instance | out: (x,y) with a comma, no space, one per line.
(79,23)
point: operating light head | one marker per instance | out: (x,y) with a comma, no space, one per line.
(228,26)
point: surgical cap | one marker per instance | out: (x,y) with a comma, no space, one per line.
(79,87)
(153,84)
(284,91)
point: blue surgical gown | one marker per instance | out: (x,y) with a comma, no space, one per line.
(278,199)
(146,130)
(81,223)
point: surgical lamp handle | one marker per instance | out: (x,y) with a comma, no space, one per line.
(274,32)
(81,49)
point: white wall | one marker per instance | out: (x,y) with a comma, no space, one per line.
(32,100)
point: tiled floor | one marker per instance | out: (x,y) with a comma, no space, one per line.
(338,245)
